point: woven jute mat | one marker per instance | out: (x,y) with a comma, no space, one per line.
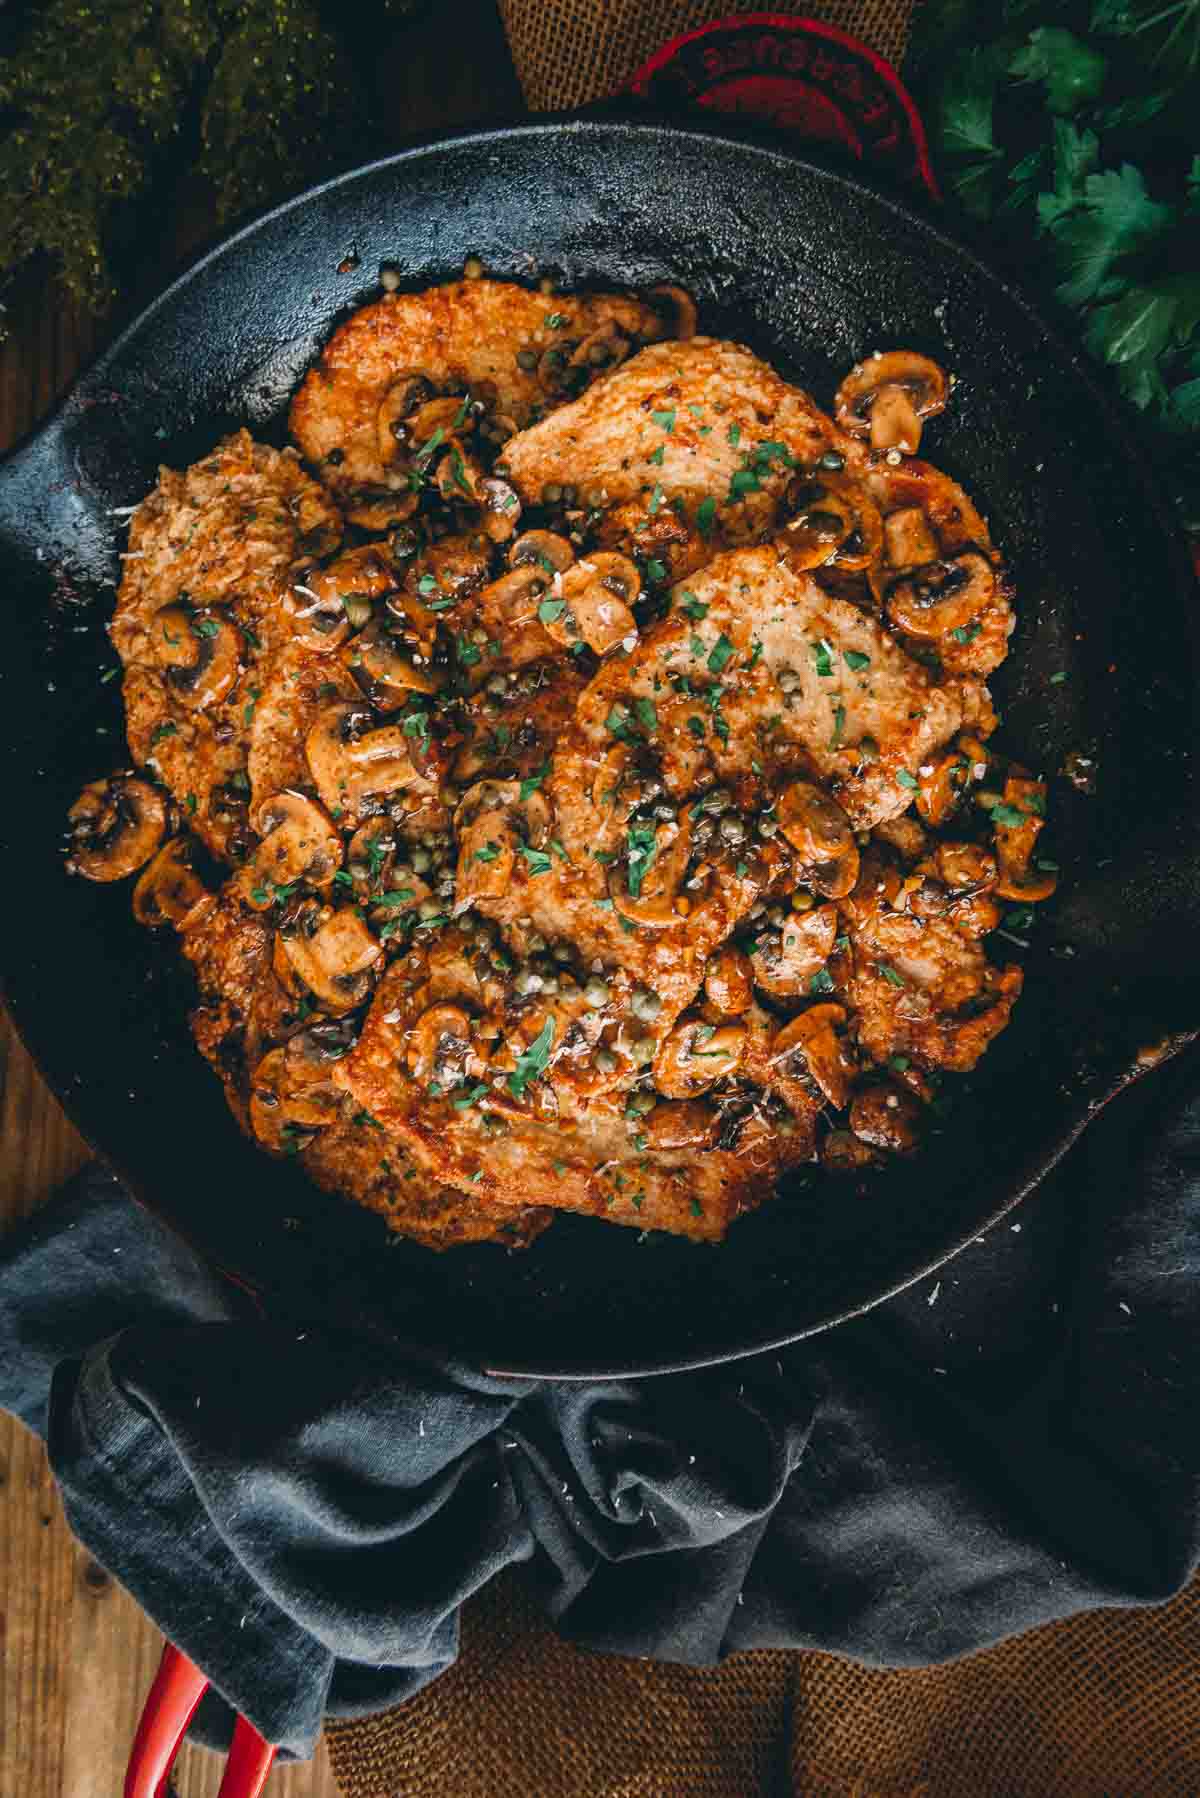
(1106,1705)
(567,52)
(1102,1706)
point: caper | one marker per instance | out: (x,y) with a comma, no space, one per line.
(528,982)
(733,830)
(833,459)
(357,608)
(606,1061)
(645,1004)
(429,908)
(422,861)
(596,993)
(527,359)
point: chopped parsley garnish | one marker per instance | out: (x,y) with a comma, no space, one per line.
(742,481)
(900,1064)
(839,724)
(720,653)
(539,862)
(694,1205)
(205,627)
(665,419)
(416,724)
(656,570)
(427,584)
(190,802)
(618,723)
(532,1061)
(1011,815)
(696,726)
(966,633)
(696,644)
(695,608)
(647,715)
(735,435)
(560,851)
(488,853)
(167,730)
(1056,680)
(554,321)
(821,981)
(465,651)
(532,782)
(109,674)
(656,456)
(905,779)
(397,896)
(656,498)
(706,511)
(889,973)
(467,1099)
(855,659)
(756,650)
(822,661)
(642,849)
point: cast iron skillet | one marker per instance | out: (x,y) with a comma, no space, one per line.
(812,267)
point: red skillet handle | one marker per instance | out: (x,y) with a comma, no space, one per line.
(178,1688)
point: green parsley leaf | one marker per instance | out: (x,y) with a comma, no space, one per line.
(641,849)
(554,321)
(656,499)
(539,862)
(906,780)
(167,730)
(466,652)
(656,570)
(1056,680)
(855,659)
(533,1061)
(488,853)
(532,782)
(966,633)
(467,1099)
(665,419)
(734,434)
(205,627)
(190,802)
(647,714)
(1010,815)
(889,973)
(705,513)
(720,653)
(839,724)
(656,456)
(900,1064)
(427,584)
(1072,71)
(821,982)
(695,608)
(822,661)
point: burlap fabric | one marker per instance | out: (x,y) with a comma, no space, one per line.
(1106,1705)
(567,52)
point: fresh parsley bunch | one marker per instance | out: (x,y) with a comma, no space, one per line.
(1077,122)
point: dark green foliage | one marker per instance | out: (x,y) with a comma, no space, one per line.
(1075,123)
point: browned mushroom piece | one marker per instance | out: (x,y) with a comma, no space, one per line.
(696,1055)
(887,1116)
(115,825)
(844,1153)
(493,825)
(393,425)
(601,349)
(286,1111)
(835,879)
(551,552)
(394,657)
(905,834)
(680,1124)
(458,476)
(729,981)
(332,952)
(383,508)
(813,823)
(909,541)
(593,602)
(348,761)
(644,887)
(439,1046)
(943,780)
(819,525)
(887,397)
(169,891)
(329,602)
(963,865)
(784,964)
(201,650)
(434,421)
(501,506)
(452,568)
(1017,824)
(813,1039)
(676,307)
(942,596)
(371,854)
(515,597)
(299,842)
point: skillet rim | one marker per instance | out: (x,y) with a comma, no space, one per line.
(616,120)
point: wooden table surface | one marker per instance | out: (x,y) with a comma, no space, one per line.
(76,1653)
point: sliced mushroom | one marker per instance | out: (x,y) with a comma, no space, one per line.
(784,966)
(458,476)
(677,309)
(833,880)
(348,762)
(814,1038)
(728,981)
(910,542)
(329,602)
(514,599)
(887,397)
(844,1153)
(1016,841)
(436,420)
(501,505)
(547,549)
(439,1046)
(813,823)
(333,953)
(680,1124)
(887,1116)
(601,349)
(657,873)
(696,1056)
(493,824)
(299,842)
(383,508)
(965,866)
(593,602)
(169,891)
(201,650)
(116,824)
(819,526)
(393,657)
(371,854)
(393,420)
(941,597)
(451,568)
(288,1107)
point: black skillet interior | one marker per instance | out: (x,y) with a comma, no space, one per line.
(813,268)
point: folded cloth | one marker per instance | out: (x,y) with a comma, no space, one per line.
(1009,1442)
